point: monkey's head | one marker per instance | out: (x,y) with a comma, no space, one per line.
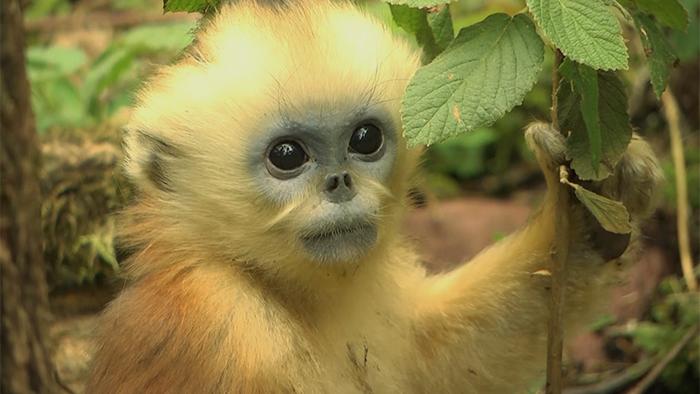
(277,138)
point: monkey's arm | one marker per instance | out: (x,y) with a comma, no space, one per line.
(489,316)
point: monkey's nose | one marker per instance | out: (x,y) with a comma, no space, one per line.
(339,187)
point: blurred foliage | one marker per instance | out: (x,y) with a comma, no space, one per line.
(41,8)
(692,160)
(674,312)
(82,186)
(72,91)
(687,44)
(77,90)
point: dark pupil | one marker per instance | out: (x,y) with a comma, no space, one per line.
(287,155)
(366,139)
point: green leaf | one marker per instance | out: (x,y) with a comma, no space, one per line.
(41,8)
(653,337)
(419,3)
(668,12)
(441,24)
(483,74)
(615,129)
(44,63)
(585,82)
(189,5)
(415,21)
(58,104)
(612,215)
(584,30)
(686,43)
(464,155)
(658,51)
(172,37)
(433,30)
(602,322)
(113,64)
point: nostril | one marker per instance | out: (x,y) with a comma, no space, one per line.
(332,183)
(347,179)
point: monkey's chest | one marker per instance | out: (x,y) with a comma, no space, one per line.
(373,360)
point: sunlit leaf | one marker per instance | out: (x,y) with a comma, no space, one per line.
(483,74)
(584,30)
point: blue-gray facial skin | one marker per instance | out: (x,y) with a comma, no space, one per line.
(338,151)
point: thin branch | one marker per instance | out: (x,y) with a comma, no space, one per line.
(652,367)
(658,368)
(560,254)
(617,382)
(670,107)
(79,21)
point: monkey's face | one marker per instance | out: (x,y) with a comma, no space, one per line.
(327,172)
(278,139)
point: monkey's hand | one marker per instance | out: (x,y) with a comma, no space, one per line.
(634,181)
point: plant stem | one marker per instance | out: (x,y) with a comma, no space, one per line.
(616,383)
(560,254)
(671,113)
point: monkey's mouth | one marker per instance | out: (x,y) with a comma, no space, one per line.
(337,232)
(340,242)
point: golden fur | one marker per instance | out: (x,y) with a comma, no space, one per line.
(222,301)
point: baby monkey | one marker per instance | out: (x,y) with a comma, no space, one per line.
(272,176)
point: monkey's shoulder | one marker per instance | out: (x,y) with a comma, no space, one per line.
(188,330)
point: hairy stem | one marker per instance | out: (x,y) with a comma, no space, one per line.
(555,339)
(672,118)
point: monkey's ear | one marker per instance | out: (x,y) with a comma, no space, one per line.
(149,159)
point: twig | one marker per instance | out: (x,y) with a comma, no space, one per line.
(658,368)
(560,254)
(101,19)
(617,382)
(670,107)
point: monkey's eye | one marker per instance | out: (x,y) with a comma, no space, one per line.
(286,156)
(366,139)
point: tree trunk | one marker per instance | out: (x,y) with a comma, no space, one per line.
(26,364)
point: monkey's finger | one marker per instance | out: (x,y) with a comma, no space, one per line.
(547,144)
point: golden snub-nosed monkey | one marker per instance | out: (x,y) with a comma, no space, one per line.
(272,176)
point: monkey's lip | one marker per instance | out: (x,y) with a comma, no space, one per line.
(341,242)
(339,231)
